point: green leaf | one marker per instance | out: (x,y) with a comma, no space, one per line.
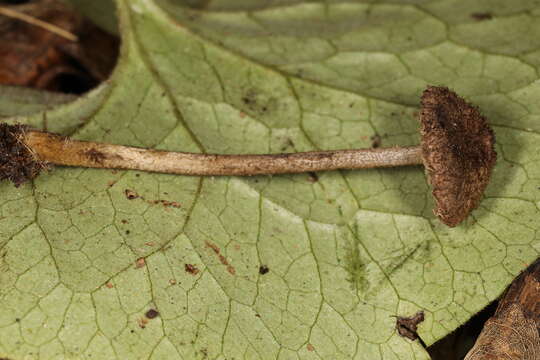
(346,252)
(18,101)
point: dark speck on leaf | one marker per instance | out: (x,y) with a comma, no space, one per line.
(312,177)
(130,194)
(376,141)
(152,314)
(481,16)
(263,269)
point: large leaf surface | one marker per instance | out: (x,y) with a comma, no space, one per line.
(346,252)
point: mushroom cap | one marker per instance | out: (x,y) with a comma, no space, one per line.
(458,153)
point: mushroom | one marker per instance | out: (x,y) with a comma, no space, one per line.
(457,150)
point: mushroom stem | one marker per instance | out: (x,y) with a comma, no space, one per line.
(54,149)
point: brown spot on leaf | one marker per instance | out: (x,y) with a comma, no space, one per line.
(165,203)
(192,269)
(312,177)
(152,314)
(213,247)
(310,347)
(407,326)
(140,263)
(130,194)
(142,322)
(109,285)
(222,259)
(376,141)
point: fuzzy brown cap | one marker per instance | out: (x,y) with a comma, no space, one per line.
(458,151)
(17,163)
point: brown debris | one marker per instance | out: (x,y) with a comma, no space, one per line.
(17,162)
(376,141)
(33,56)
(458,148)
(513,332)
(192,269)
(231,270)
(142,322)
(165,203)
(213,247)
(407,326)
(312,177)
(263,269)
(140,263)
(151,314)
(130,194)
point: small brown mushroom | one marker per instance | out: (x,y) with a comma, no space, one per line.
(457,151)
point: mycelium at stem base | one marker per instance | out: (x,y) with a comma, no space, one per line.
(457,151)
